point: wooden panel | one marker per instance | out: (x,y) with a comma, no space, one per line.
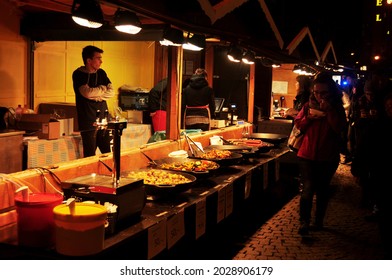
(49,72)
(13,81)
(126,63)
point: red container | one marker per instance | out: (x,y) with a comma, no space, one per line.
(35,219)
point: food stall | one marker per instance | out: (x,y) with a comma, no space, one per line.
(189,213)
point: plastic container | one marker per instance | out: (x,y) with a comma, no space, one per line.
(179,154)
(80,228)
(216,140)
(35,220)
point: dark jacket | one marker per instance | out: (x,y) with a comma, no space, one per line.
(157,98)
(198,93)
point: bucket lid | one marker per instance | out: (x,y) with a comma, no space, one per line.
(38,199)
(83,211)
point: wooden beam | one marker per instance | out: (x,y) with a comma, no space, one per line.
(298,39)
(328,47)
(251,93)
(172,119)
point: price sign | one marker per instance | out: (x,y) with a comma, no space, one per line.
(221,205)
(265,176)
(175,228)
(248,184)
(156,239)
(229,200)
(200,218)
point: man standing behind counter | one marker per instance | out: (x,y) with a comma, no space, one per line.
(92,88)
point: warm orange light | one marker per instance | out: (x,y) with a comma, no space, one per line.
(377,57)
(389,1)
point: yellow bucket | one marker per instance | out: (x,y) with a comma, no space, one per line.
(79,228)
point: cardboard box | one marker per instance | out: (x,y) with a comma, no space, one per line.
(218,123)
(41,125)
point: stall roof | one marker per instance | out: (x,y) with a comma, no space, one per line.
(265,26)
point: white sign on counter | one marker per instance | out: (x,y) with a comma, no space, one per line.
(229,200)
(175,228)
(200,218)
(156,239)
(221,205)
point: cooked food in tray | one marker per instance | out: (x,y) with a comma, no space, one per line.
(216,154)
(192,166)
(159,177)
(250,142)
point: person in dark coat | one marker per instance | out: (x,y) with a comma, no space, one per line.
(382,183)
(302,86)
(157,102)
(362,166)
(198,102)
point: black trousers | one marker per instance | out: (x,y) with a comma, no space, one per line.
(316,177)
(96,138)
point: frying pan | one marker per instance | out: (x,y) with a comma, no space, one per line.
(234,159)
(159,190)
(257,145)
(158,164)
(272,138)
(245,151)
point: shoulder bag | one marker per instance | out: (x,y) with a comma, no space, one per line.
(295,139)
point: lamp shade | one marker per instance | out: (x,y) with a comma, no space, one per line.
(234,54)
(196,42)
(87,13)
(172,37)
(249,57)
(127,21)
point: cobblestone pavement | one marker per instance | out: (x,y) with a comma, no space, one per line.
(346,236)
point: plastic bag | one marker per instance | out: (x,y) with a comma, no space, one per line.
(157,136)
(295,139)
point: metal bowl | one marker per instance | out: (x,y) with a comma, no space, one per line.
(272,138)
(234,159)
(164,189)
(177,164)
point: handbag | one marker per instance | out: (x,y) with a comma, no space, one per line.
(295,139)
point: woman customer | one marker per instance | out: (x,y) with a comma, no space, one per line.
(322,120)
(302,87)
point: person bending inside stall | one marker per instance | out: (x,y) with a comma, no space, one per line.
(198,102)
(157,101)
(92,88)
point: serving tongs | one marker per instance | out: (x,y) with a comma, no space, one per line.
(189,145)
(226,142)
(189,140)
(152,162)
